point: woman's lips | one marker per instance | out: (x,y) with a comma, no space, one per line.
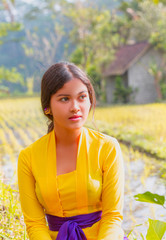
(75,118)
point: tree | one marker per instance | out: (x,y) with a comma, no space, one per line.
(11,75)
(8,6)
(157,74)
(97,35)
(10,25)
(148,23)
(42,49)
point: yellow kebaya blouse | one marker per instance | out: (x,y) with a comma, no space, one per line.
(96,184)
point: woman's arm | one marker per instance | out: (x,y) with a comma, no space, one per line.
(33,212)
(112,194)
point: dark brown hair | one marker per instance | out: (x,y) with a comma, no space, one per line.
(54,79)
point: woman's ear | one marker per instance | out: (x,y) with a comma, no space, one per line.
(48,111)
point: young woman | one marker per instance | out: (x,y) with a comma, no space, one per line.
(71,179)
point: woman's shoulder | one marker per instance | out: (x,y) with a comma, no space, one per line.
(102,137)
(37,145)
(34,152)
(103,143)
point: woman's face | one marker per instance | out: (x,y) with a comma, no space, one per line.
(70,105)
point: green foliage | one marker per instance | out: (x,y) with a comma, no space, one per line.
(121,93)
(91,69)
(147,21)
(156,1)
(159,1)
(132,5)
(29,52)
(156,230)
(97,35)
(5,28)
(11,75)
(94,74)
(77,56)
(10,214)
(158,37)
(150,198)
(158,72)
(153,69)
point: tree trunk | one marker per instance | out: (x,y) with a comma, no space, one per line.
(157,79)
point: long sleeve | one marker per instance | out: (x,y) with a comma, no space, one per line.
(33,212)
(112,194)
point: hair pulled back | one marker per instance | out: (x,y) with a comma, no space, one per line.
(54,79)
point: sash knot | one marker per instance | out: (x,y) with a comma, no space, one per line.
(70,230)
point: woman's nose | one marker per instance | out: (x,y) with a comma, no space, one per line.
(75,107)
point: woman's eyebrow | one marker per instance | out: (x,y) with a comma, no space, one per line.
(63,94)
(85,91)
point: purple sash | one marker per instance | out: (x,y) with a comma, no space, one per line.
(70,228)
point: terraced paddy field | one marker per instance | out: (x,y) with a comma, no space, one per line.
(143,126)
(138,128)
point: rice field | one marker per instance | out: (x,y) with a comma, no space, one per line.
(22,122)
(144,126)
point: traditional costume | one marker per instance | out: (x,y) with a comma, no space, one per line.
(87,202)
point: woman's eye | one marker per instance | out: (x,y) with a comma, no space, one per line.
(82,97)
(64,99)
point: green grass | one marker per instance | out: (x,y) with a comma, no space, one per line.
(11,219)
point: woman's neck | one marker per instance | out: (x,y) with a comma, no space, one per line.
(67,137)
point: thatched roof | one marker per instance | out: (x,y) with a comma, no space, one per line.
(125,57)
